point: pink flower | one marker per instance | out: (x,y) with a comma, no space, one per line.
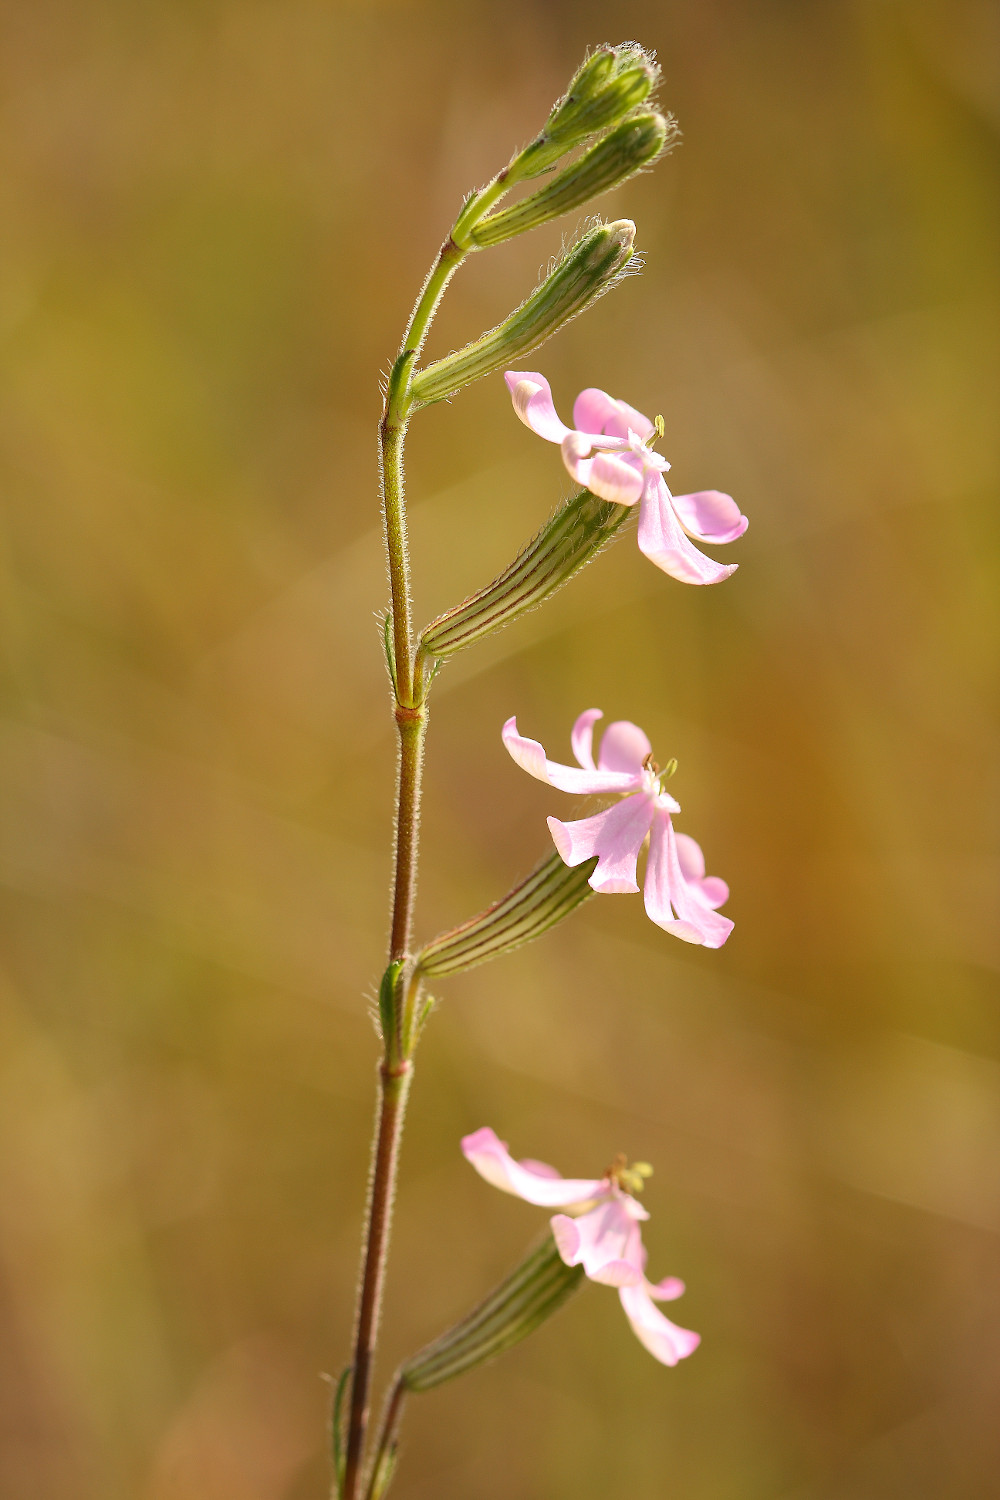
(678,895)
(602,1235)
(608,453)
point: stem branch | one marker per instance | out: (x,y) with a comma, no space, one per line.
(390,1428)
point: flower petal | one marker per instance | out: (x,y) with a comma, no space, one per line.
(713,891)
(582,737)
(663,541)
(708,888)
(690,857)
(666,892)
(624,748)
(615,836)
(664,1340)
(532,398)
(597,412)
(530,756)
(710,516)
(606,1241)
(666,1290)
(492,1161)
(606,474)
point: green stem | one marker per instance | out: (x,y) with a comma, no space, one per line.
(450,257)
(392,435)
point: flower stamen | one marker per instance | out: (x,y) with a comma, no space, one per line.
(631,1179)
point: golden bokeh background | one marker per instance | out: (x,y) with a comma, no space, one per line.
(216,215)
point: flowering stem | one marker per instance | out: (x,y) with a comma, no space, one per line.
(411,722)
(394,1086)
(392,436)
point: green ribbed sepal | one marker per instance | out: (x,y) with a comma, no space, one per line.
(532,1292)
(580,529)
(535,904)
(633,145)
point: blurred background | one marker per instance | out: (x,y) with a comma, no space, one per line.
(217,214)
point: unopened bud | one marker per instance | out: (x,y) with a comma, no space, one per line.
(583,274)
(632,145)
(608,86)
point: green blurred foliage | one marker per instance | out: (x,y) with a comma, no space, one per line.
(216,215)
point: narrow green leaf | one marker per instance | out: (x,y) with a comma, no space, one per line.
(532,1292)
(337,1428)
(390,655)
(388,1006)
(535,904)
(580,529)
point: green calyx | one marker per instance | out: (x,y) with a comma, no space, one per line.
(581,528)
(535,904)
(532,1292)
(586,271)
(632,145)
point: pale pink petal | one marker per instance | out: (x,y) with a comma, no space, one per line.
(624,748)
(710,516)
(664,1340)
(666,1290)
(530,756)
(668,900)
(605,1241)
(597,412)
(663,541)
(615,835)
(608,475)
(710,889)
(690,857)
(582,737)
(493,1162)
(540,1168)
(532,398)
(713,891)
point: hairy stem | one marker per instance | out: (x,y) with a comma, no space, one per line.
(392,436)
(394,1087)
(411,721)
(412,724)
(449,258)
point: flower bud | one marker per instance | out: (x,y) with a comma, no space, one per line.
(632,145)
(607,87)
(583,274)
